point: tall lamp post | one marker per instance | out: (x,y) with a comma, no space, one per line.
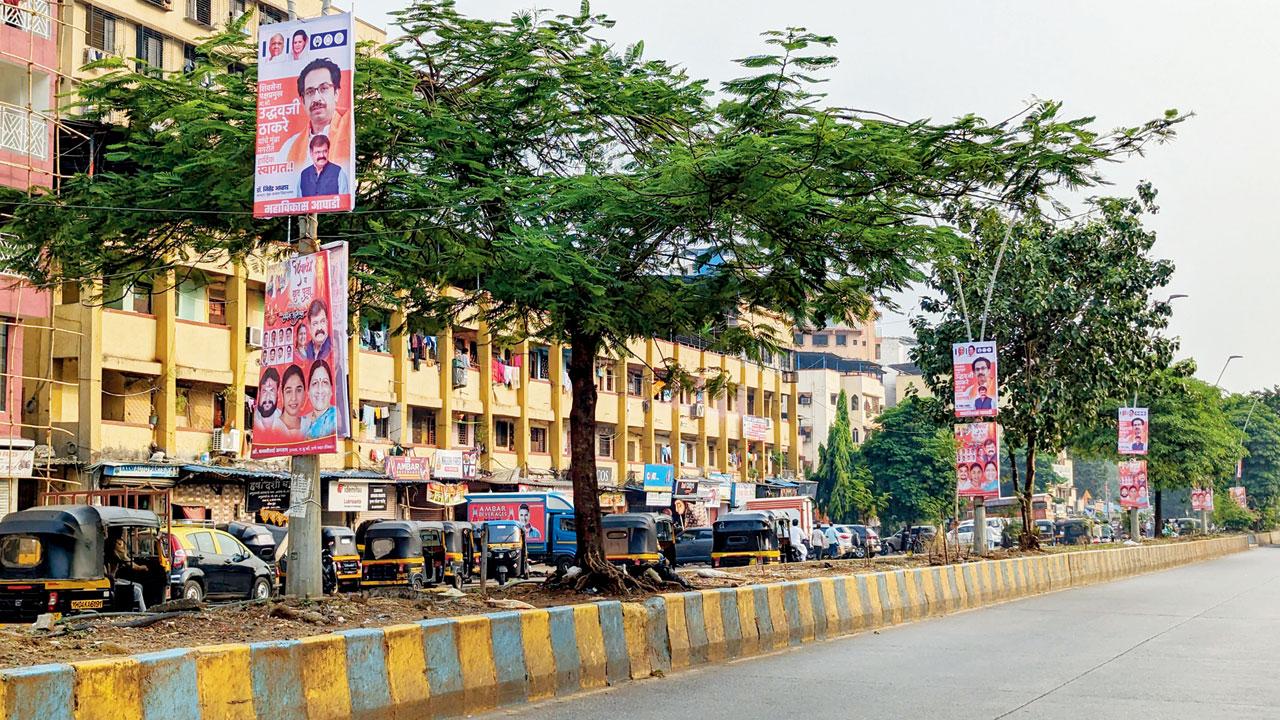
(1224,368)
(1204,514)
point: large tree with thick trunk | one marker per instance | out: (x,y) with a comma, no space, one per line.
(528,174)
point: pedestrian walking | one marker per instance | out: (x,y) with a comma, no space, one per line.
(817,542)
(797,541)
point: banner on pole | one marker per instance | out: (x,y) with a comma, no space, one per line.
(301,405)
(304,159)
(1238,494)
(977,460)
(1132,430)
(974,376)
(1202,499)
(1133,485)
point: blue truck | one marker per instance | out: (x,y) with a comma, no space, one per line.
(547,518)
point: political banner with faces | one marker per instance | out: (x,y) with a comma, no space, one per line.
(1133,432)
(305,160)
(1238,494)
(1133,485)
(973,371)
(301,403)
(977,460)
(1202,499)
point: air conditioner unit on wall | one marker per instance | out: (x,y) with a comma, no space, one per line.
(697,410)
(253,336)
(788,376)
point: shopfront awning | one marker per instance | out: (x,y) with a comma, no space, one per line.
(230,471)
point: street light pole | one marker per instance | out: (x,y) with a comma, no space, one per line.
(1224,368)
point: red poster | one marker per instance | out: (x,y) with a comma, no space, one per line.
(1133,485)
(1202,499)
(973,371)
(532,514)
(301,404)
(977,460)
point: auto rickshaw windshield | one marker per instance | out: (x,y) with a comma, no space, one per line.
(503,533)
(344,545)
(31,556)
(380,548)
(431,537)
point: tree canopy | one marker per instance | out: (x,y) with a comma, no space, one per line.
(528,174)
(1070,313)
(1261,476)
(844,487)
(911,460)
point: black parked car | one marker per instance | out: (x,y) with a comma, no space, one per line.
(921,536)
(866,543)
(213,564)
(258,538)
(694,546)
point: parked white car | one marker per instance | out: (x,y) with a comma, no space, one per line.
(995,529)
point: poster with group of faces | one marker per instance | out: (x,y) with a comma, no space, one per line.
(301,407)
(1133,485)
(1132,431)
(977,460)
(1202,499)
(973,370)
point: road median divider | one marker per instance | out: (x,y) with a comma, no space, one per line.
(465,665)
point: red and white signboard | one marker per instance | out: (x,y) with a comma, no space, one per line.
(756,429)
(977,460)
(305,158)
(408,468)
(1133,485)
(530,513)
(1134,435)
(973,371)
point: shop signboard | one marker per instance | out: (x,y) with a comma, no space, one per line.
(17,463)
(756,429)
(304,159)
(973,374)
(266,493)
(658,478)
(349,497)
(447,493)
(407,468)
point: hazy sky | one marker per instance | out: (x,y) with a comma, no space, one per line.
(1124,62)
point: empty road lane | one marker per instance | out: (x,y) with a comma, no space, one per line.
(1198,641)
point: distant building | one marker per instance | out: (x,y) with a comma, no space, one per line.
(894,353)
(851,342)
(820,379)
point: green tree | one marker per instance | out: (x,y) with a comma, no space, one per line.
(844,492)
(911,459)
(1227,514)
(527,174)
(1255,416)
(1193,441)
(1070,314)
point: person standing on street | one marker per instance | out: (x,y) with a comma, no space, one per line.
(797,541)
(818,542)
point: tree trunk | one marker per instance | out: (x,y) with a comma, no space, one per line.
(1029,538)
(597,572)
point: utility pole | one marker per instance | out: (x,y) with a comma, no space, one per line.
(304,578)
(980,526)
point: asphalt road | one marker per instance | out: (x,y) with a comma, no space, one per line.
(1199,641)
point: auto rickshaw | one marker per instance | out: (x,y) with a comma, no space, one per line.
(1072,532)
(507,553)
(461,552)
(743,538)
(340,541)
(393,555)
(637,540)
(56,559)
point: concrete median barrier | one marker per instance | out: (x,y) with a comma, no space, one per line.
(466,665)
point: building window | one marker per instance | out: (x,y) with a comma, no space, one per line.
(751,402)
(236,9)
(540,363)
(101,30)
(633,451)
(786,407)
(768,404)
(805,398)
(217,299)
(731,398)
(192,301)
(200,11)
(604,443)
(635,382)
(688,453)
(463,433)
(375,330)
(188,58)
(853,403)
(538,439)
(504,435)
(422,426)
(835,398)
(605,376)
(842,339)
(799,339)
(855,435)
(821,340)
(150,50)
(272,14)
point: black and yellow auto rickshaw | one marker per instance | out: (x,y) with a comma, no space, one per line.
(507,553)
(638,540)
(461,552)
(340,542)
(393,555)
(63,559)
(1076,531)
(745,538)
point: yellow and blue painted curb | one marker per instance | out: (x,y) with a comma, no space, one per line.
(465,665)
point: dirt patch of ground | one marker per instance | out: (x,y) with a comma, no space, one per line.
(88,637)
